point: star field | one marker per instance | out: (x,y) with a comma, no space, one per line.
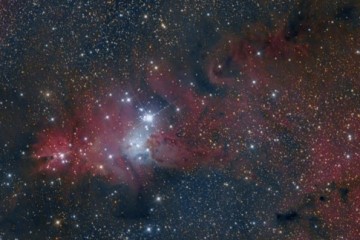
(179,119)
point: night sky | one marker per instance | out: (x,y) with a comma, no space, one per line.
(181,119)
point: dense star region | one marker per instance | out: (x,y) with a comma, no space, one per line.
(180,120)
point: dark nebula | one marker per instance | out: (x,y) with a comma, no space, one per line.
(180,120)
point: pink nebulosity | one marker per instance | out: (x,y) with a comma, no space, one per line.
(212,130)
(259,99)
(96,141)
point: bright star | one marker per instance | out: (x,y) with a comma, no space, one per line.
(148,118)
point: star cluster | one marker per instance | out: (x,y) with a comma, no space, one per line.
(179,119)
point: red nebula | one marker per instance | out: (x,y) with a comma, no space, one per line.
(212,130)
(92,142)
(272,116)
(261,99)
